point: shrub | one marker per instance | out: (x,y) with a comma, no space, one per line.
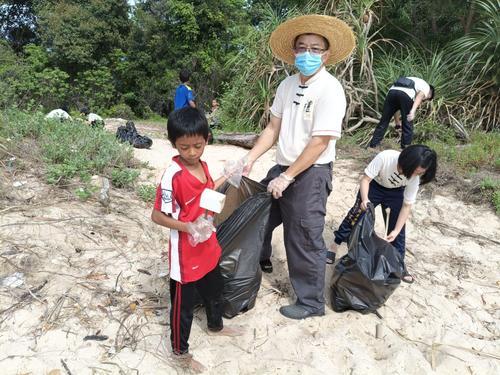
(75,149)
(124,177)
(121,110)
(147,193)
(69,149)
(491,188)
(483,151)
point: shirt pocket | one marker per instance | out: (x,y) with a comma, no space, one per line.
(308,110)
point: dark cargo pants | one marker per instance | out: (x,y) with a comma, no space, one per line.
(302,210)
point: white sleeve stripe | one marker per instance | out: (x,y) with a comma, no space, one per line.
(167,203)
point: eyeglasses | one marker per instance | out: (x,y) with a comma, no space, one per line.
(313,50)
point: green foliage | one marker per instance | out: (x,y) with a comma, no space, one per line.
(490,184)
(428,130)
(30,82)
(18,23)
(80,34)
(124,177)
(83,193)
(482,46)
(147,193)
(17,125)
(491,188)
(246,102)
(69,149)
(104,54)
(495,200)
(426,22)
(121,110)
(483,152)
(96,88)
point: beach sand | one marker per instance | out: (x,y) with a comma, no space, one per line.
(104,271)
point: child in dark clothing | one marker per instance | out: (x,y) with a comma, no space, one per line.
(392,179)
(194,252)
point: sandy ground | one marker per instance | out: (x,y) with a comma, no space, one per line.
(88,270)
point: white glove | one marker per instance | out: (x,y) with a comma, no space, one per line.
(278,185)
(233,170)
(200,230)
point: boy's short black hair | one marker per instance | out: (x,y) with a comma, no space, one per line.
(184,75)
(433,92)
(85,110)
(186,121)
(415,156)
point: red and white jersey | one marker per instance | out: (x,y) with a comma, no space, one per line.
(178,195)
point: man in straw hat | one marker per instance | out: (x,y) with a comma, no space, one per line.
(306,119)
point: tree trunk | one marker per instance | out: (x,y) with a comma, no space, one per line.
(470,18)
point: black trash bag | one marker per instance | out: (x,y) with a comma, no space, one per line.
(240,231)
(368,274)
(141,141)
(128,133)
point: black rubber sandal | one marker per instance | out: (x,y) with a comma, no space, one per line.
(330,257)
(407,278)
(266,266)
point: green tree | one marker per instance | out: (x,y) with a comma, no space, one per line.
(9,72)
(172,34)
(81,34)
(95,88)
(37,83)
(18,23)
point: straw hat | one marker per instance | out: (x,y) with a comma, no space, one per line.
(337,32)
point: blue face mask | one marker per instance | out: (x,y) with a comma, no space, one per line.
(308,63)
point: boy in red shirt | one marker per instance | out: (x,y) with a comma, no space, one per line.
(194,252)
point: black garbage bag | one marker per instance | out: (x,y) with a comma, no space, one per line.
(368,274)
(141,141)
(128,133)
(240,231)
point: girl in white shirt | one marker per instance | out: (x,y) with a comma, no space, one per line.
(392,179)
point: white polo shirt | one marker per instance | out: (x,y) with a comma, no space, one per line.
(58,114)
(93,117)
(314,108)
(420,85)
(384,170)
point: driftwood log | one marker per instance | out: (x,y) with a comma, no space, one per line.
(246,140)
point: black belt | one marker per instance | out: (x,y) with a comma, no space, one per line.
(326,165)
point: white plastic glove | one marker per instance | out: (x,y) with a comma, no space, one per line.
(233,170)
(411,116)
(278,185)
(364,205)
(200,230)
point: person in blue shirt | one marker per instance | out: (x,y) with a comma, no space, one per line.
(184,96)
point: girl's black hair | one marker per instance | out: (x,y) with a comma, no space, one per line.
(186,121)
(415,156)
(433,92)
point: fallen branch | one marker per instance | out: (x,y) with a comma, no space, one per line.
(438,345)
(66,367)
(463,232)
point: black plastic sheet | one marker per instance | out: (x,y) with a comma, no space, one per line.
(368,274)
(240,231)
